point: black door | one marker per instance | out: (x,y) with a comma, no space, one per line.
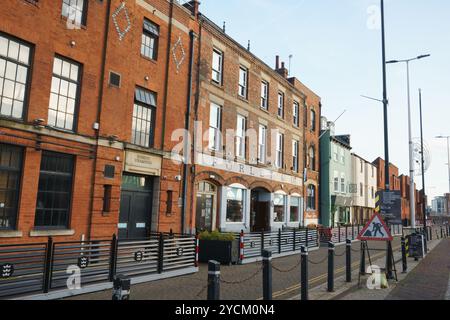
(135,208)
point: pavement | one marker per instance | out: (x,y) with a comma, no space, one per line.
(244,282)
(426,279)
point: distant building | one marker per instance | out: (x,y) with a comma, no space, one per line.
(335,163)
(438,205)
(363,188)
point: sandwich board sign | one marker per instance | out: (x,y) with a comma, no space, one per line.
(375,230)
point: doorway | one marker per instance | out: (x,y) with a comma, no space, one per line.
(135,207)
(206,206)
(260,210)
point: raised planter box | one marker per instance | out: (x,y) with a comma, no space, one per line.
(225,252)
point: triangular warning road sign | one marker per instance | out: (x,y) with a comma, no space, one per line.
(375,230)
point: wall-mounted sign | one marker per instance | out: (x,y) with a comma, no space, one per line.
(6,270)
(245,169)
(83,262)
(142,163)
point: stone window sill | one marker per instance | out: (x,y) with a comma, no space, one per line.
(10,234)
(51,233)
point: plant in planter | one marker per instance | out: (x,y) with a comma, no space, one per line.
(218,246)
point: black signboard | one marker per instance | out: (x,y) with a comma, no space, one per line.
(391,206)
(6,270)
(416,246)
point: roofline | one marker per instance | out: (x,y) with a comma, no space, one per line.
(204,18)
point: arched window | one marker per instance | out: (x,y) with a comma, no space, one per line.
(311,203)
(312,158)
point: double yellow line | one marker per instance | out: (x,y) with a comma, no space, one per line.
(323,276)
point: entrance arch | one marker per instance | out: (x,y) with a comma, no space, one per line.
(206,206)
(260,209)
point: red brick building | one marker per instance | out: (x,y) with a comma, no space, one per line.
(400,183)
(92,106)
(87,108)
(252,178)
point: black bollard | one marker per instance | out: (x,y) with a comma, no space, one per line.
(213,280)
(348,261)
(362,269)
(330,267)
(404,261)
(431,233)
(304,273)
(121,288)
(267,274)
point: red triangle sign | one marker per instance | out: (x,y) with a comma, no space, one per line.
(375,230)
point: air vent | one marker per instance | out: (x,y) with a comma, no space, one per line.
(114,79)
(109,171)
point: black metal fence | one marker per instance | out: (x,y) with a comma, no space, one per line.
(39,268)
(278,242)
(341,233)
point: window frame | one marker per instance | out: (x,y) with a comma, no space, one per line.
(134,119)
(311,202)
(279,161)
(77,93)
(241,128)
(296,114)
(218,146)
(262,143)
(151,35)
(28,80)
(313,120)
(264,95)
(84,13)
(221,64)
(244,204)
(295,157)
(243,82)
(18,189)
(71,192)
(281,103)
(283,206)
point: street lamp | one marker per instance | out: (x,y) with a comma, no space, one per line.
(411,145)
(448,153)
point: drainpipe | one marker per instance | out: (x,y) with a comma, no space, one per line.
(187,142)
(166,85)
(99,111)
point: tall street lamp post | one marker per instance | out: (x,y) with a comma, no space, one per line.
(412,203)
(448,154)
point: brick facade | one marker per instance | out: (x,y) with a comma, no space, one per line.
(109,40)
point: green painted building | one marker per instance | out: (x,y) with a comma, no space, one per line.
(335,177)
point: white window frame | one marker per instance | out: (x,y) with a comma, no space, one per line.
(281,99)
(217,70)
(264,95)
(279,151)
(295,149)
(343,183)
(243,82)
(214,128)
(241,128)
(262,143)
(336,182)
(296,113)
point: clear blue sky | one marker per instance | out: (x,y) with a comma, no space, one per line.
(336,52)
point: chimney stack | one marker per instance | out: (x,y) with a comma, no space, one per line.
(277,62)
(282,71)
(193,6)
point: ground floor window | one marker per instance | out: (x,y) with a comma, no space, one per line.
(55,190)
(295,209)
(235,204)
(10,173)
(279,202)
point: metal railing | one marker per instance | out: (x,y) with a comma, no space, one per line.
(40,268)
(341,233)
(279,242)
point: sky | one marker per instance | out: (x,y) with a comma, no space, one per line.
(336,49)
